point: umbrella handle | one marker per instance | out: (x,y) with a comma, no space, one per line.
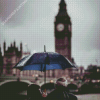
(44,73)
(44,77)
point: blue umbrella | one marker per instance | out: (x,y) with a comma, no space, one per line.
(43,61)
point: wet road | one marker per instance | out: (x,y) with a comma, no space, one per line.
(89,97)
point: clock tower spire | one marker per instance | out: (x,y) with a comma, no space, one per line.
(62,5)
(62,31)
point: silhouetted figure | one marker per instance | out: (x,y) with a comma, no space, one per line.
(60,92)
(33,92)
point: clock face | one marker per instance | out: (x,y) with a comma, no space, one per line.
(60,27)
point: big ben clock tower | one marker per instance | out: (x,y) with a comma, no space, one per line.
(62,31)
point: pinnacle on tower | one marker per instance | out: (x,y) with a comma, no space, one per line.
(14,44)
(0,51)
(62,5)
(0,47)
(4,46)
(11,44)
(62,2)
(62,9)
(21,46)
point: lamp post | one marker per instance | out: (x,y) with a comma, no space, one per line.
(97,70)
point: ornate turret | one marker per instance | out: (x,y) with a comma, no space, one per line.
(1,61)
(62,5)
(11,44)
(0,51)
(14,44)
(62,15)
(21,46)
(4,46)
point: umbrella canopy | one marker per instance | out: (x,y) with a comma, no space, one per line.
(44,61)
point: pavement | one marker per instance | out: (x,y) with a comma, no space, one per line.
(89,97)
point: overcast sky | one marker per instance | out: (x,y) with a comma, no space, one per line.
(32,22)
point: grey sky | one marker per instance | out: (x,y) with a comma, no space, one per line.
(33,24)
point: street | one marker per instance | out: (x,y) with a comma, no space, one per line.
(80,97)
(89,97)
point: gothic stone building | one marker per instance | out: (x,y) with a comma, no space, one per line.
(1,62)
(11,56)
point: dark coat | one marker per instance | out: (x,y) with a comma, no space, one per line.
(61,94)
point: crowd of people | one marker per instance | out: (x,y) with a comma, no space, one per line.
(60,92)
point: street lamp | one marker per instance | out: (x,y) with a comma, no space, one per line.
(97,70)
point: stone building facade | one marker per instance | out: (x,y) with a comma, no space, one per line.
(11,56)
(1,62)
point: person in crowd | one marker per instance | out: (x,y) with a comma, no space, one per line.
(61,92)
(33,92)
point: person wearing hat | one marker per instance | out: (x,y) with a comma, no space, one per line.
(61,92)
